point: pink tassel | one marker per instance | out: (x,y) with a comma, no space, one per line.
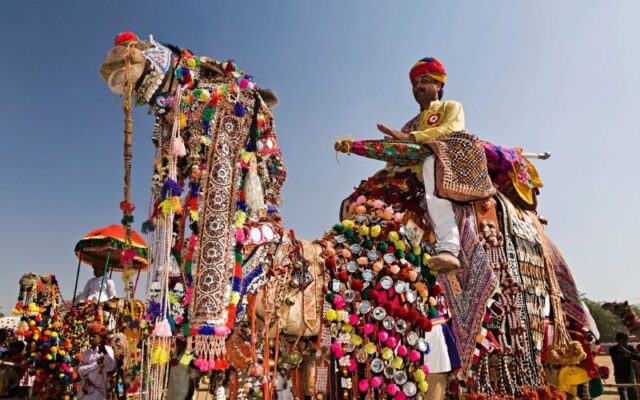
(177,147)
(187,297)
(162,329)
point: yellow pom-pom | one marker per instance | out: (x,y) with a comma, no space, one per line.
(419,375)
(417,250)
(194,216)
(397,362)
(387,353)
(346,328)
(241,217)
(425,258)
(423,386)
(393,236)
(364,230)
(348,224)
(400,245)
(356,340)
(235,298)
(369,348)
(183,121)
(191,63)
(330,315)
(375,231)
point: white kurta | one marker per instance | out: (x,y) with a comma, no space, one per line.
(93,376)
(92,289)
(438,356)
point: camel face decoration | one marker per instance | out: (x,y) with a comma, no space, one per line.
(364,289)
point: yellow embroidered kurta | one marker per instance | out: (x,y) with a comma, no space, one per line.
(441,118)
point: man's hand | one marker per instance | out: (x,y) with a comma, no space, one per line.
(395,134)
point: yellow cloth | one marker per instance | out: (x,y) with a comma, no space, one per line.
(525,192)
(570,377)
(441,118)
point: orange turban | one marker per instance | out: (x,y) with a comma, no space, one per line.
(96,329)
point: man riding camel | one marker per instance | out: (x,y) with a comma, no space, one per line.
(447,175)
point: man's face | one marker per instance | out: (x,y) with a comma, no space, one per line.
(623,340)
(95,340)
(97,271)
(425,90)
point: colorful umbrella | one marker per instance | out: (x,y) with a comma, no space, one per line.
(401,153)
(110,240)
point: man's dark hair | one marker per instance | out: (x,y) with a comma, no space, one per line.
(621,336)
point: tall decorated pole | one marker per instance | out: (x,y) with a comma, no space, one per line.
(126,205)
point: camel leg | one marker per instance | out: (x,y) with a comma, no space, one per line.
(437,386)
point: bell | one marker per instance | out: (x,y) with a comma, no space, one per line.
(290,301)
(297,264)
(294,283)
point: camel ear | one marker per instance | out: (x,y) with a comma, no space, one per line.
(269,97)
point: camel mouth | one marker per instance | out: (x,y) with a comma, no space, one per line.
(116,81)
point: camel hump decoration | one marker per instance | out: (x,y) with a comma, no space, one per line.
(355,313)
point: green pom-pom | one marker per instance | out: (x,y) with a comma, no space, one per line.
(365,292)
(367,244)
(399,254)
(382,247)
(186,329)
(329,298)
(411,258)
(338,228)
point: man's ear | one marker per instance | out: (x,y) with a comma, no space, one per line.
(269,97)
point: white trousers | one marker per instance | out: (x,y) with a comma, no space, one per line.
(440,212)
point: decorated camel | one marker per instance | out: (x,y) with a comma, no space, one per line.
(346,315)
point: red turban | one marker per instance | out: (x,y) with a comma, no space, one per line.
(96,329)
(430,66)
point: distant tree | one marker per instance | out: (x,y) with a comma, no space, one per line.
(608,323)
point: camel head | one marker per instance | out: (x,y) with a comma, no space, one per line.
(150,69)
(28,282)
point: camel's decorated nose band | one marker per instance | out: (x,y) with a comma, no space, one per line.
(159,62)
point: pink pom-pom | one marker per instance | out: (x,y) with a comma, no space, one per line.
(353,319)
(352,365)
(389,210)
(339,302)
(177,147)
(376,381)
(383,336)
(400,396)
(222,330)
(363,385)
(401,351)
(392,342)
(361,200)
(211,365)
(243,83)
(368,328)
(425,369)
(336,348)
(392,389)
(240,236)
(414,356)
(397,217)
(377,204)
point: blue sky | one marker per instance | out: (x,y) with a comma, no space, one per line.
(556,76)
